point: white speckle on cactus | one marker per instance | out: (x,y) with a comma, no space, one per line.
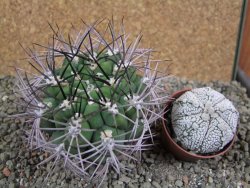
(79,90)
(75,128)
(116,51)
(49,104)
(59,148)
(41,105)
(76,122)
(75,59)
(145,80)
(195,125)
(90,101)
(99,74)
(113,109)
(110,53)
(185,133)
(127,63)
(93,56)
(40,110)
(65,105)
(78,114)
(184,100)
(138,106)
(73,131)
(77,77)
(107,104)
(90,87)
(203,120)
(135,98)
(52,81)
(107,139)
(106,134)
(205,116)
(92,66)
(136,101)
(111,81)
(115,69)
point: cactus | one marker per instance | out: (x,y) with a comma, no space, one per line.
(203,120)
(93,100)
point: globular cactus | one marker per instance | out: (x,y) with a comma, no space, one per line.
(93,100)
(203,120)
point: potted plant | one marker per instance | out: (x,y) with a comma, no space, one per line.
(199,124)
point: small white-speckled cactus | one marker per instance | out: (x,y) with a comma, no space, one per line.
(203,120)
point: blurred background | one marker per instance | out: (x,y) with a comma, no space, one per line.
(200,37)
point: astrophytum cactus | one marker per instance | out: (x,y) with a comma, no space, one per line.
(93,99)
(203,120)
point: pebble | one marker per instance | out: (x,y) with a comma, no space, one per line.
(9,163)
(185,180)
(146,185)
(246,146)
(149,160)
(170,177)
(160,157)
(178,183)
(209,186)
(11,177)
(3,182)
(156,184)
(141,179)
(197,168)
(247,177)
(187,165)
(27,172)
(130,185)
(13,154)
(153,155)
(247,170)
(210,179)
(125,179)
(229,157)
(11,185)
(6,172)
(4,156)
(248,162)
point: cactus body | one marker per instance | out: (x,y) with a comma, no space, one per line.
(96,104)
(203,120)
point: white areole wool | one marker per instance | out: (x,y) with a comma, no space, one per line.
(203,120)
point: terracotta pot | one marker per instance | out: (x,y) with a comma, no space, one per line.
(177,150)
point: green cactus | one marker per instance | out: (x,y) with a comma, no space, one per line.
(95,104)
(92,96)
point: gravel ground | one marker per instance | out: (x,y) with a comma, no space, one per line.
(157,169)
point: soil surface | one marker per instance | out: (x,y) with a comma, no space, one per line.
(158,168)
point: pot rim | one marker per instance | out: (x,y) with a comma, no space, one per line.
(193,155)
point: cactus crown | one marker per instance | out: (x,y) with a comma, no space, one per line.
(203,120)
(92,101)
